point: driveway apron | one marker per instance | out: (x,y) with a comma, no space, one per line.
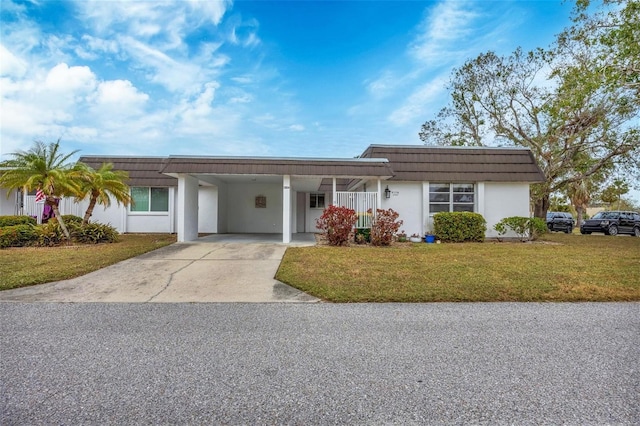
(199,271)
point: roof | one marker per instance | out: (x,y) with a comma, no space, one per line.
(458,164)
(322,167)
(143,171)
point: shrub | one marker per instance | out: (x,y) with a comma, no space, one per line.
(17,235)
(49,234)
(16,220)
(527,228)
(384,226)
(93,233)
(459,227)
(337,224)
(363,235)
(69,219)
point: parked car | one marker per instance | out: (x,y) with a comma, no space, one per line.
(560,221)
(613,223)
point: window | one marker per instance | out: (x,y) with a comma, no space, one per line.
(147,199)
(451,197)
(316,201)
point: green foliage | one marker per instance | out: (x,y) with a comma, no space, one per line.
(16,220)
(459,227)
(16,235)
(384,226)
(69,219)
(94,233)
(101,185)
(527,228)
(49,234)
(337,224)
(363,235)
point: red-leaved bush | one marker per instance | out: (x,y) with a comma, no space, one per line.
(337,224)
(384,226)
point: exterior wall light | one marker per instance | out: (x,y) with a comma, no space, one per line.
(387,193)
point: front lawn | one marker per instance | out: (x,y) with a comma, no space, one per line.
(20,267)
(558,267)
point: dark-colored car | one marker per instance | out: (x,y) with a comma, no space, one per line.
(613,223)
(560,221)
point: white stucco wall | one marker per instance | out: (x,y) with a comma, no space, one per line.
(223,203)
(113,215)
(208,209)
(243,216)
(313,214)
(7,205)
(406,199)
(504,200)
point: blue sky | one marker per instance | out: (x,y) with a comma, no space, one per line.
(253,78)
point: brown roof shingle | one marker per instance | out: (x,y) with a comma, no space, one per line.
(458,164)
(143,171)
(278,166)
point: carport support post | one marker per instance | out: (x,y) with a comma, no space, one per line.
(187,208)
(286,209)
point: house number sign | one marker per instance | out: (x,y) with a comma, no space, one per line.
(261,202)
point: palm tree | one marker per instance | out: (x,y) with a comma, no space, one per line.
(101,185)
(44,168)
(580,195)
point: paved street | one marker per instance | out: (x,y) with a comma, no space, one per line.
(95,363)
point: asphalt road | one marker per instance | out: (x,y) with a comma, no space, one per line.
(499,363)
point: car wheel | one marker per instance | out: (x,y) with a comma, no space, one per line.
(569,229)
(613,230)
(636,231)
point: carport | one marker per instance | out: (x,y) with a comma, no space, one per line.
(258,195)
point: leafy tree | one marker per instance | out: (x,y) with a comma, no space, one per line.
(101,186)
(45,168)
(560,103)
(614,192)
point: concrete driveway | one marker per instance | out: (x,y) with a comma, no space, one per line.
(218,268)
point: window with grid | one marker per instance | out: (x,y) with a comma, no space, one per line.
(451,197)
(316,201)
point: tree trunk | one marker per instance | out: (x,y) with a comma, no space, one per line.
(579,211)
(541,207)
(89,212)
(52,202)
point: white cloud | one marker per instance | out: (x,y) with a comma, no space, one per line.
(70,80)
(444,31)
(296,127)
(120,97)
(417,106)
(10,65)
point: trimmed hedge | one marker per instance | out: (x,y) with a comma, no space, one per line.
(17,220)
(17,235)
(458,227)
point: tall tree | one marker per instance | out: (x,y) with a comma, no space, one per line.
(102,185)
(44,168)
(561,103)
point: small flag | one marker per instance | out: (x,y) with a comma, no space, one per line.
(40,196)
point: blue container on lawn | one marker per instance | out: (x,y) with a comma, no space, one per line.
(430,239)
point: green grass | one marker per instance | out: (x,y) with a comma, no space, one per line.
(20,267)
(559,267)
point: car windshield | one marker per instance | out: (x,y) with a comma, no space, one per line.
(605,215)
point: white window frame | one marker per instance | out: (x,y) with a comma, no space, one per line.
(148,212)
(316,196)
(451,194)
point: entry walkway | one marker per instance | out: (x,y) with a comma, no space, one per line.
(215,268)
